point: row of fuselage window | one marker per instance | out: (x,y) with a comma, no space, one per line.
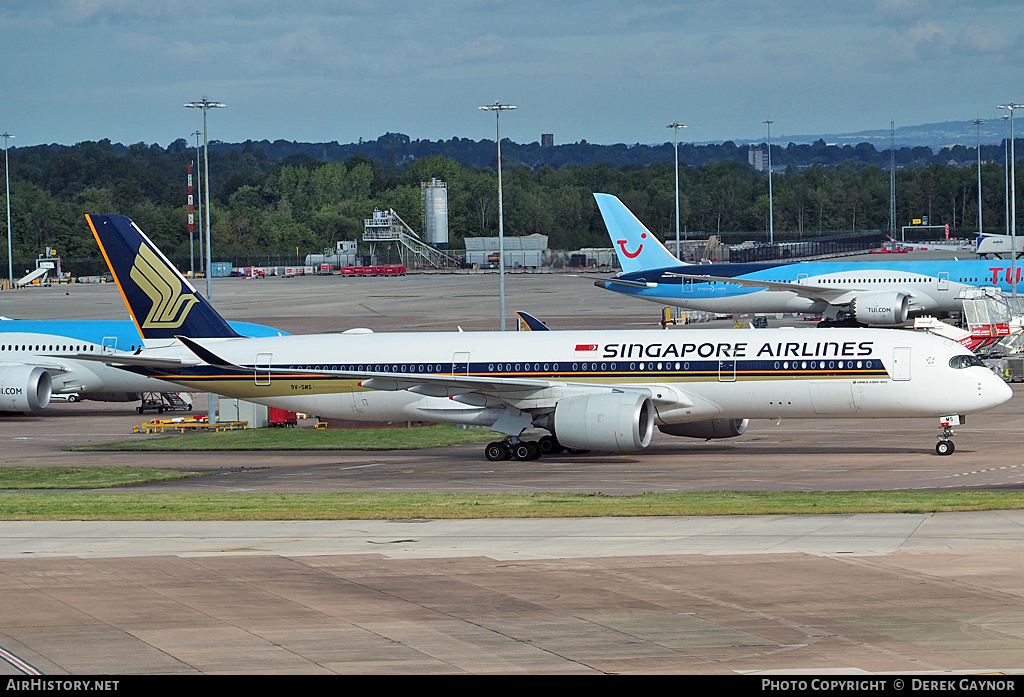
(36,348)
(603,367)
(51,348)
(846,281)
(890,280)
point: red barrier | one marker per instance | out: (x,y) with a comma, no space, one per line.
(372,270)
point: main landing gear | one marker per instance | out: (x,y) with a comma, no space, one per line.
(946,423)
(514,449)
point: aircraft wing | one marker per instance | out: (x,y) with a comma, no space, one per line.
(832,296)
(126,359)
(625,282)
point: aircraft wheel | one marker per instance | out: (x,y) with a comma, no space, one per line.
(497,451)
(520,451)
(525,450)
(945,447)
(73,398)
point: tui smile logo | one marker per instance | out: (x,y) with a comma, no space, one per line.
(631,255)
(170,306)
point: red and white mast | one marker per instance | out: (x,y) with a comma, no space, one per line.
(191,225)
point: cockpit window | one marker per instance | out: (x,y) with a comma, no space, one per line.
(965,361)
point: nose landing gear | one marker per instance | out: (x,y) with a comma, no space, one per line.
(945,446)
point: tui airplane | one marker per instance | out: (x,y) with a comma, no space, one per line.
(882,293)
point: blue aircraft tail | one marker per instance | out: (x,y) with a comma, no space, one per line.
(161,301)
(635,246)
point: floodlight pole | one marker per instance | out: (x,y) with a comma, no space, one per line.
(771,203)
(497,108)
(675,126)
(7,174)
(977,123)
(1006,170)
(205,104)
(1010,106)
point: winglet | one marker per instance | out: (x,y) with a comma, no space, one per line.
(636,247)
(529,323)
(162,303)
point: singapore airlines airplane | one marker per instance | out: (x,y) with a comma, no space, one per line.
(877,293)
(29,375)
(592,390)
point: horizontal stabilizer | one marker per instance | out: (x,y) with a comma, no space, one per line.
(205,355)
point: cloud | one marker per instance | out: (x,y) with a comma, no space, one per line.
(925,40)
(975,40)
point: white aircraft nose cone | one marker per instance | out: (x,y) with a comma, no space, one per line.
(1000,392)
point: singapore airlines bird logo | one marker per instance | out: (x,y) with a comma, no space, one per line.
(170,306)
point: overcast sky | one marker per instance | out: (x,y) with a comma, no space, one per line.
(604,71)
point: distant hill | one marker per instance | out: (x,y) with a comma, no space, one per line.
(915,146)
(930,135)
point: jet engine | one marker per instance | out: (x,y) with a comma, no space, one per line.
(884,308)
(24,388)
(708,430)
(619,421)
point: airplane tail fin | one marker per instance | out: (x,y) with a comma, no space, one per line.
(635,246)
(161,301)
(529,323)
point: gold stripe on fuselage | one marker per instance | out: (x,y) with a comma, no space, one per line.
(245,386)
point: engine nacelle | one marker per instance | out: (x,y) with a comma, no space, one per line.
(885,308)
(24,388)
(708,430)
(619,421)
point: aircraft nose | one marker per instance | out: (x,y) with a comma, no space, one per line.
(1004,393)
(995,391)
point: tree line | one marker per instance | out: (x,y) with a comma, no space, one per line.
(266,206)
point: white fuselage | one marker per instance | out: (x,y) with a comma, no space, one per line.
(69,375)
(691,375)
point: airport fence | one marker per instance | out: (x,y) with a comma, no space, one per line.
(826,246)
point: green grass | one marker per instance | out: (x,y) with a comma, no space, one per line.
(129,505)
(84,477)
(303,439)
